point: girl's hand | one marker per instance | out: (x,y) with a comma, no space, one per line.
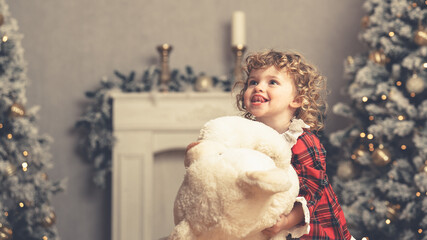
(280,225)
(296,216)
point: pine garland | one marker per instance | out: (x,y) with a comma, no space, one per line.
(95,124)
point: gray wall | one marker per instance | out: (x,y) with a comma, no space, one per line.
(70,45)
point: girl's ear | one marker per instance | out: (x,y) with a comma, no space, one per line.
(297,102)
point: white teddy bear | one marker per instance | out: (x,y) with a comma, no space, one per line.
(238,181)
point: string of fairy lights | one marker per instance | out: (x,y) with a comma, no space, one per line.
(22,162)
(413,88)
(414,85)
(6,232)
(368,143)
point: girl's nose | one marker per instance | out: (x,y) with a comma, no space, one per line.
(259,88)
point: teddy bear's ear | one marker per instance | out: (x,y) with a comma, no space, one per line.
(267,181)
(189,156)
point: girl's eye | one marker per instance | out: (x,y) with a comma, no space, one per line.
(274,82)
(252,82)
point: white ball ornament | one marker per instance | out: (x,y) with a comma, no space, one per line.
(203,84)
(415,84)
(346,170)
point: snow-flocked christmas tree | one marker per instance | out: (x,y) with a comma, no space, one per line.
(381,176)
(25,190)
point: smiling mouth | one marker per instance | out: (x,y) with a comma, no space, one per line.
(258,99)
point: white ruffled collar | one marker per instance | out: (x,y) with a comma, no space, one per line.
(296,128)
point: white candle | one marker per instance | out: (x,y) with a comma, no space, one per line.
(238,29)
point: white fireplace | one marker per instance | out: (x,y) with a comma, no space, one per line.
(146,125)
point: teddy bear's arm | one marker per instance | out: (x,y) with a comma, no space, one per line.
(269,181)
(182,231)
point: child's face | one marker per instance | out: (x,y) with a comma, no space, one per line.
(270,95)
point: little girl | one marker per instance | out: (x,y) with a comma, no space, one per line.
(280,87)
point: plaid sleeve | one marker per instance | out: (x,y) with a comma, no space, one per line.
(309,163)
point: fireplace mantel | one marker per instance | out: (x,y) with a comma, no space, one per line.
(145,124)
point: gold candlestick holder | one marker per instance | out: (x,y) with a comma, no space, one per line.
(238,51)
(164,51)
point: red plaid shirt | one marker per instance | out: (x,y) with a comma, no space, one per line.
(326,216)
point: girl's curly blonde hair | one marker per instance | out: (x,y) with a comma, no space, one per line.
(310,85)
